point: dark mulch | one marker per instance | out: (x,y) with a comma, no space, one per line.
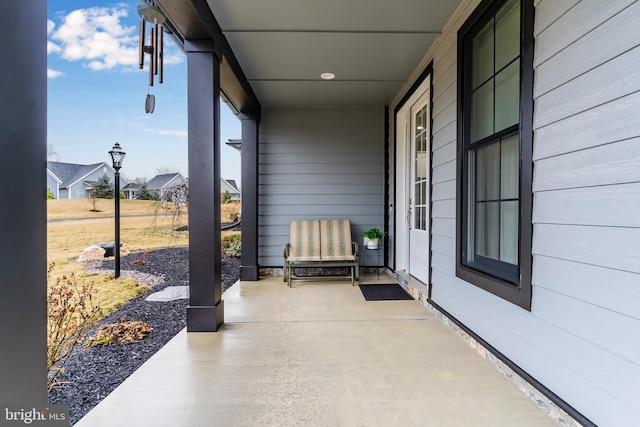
(92,373)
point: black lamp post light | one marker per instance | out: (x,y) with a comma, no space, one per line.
(117,156)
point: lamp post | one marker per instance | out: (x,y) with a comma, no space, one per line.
(117,156)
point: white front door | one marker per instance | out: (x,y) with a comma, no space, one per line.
(419,187)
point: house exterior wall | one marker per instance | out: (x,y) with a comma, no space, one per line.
(319,163)
(178,180)
(224,186)
(80,186)
(581,338)
(53,185)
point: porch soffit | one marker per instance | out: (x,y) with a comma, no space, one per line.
(282,46)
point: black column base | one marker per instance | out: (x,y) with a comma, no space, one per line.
(249,273)
(205,318)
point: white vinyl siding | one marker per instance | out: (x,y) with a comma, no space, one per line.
(582,336)
(319,163)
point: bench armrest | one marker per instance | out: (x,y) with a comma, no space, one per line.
(286,250)
(355,248)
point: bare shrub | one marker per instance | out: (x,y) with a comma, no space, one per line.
(71,312)
(121,331)
(174,201)
(232,245)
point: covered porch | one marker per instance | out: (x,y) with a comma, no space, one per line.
(317,354)
(384,142)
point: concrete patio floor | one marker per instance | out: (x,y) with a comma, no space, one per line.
(317,354)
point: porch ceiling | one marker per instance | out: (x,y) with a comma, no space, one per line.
(283,46)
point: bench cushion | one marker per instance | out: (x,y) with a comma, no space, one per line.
(304,238)
(336,240)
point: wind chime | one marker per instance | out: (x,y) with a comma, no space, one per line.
(155,48)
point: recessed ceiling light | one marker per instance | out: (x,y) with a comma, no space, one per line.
(327,76)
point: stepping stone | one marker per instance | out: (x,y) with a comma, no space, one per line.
(170,293)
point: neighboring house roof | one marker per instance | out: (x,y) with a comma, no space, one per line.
(160,182)
(132,186)
(69,174)
(54,176)
(232,184)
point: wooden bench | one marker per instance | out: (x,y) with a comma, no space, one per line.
(320,243)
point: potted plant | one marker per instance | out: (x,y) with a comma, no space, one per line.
(372,236)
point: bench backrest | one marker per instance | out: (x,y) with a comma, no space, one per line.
(335,238)
(320,240)
(304,238)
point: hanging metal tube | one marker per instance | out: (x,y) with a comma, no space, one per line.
(161,54)
(143,30)
(151,60)
(155,46)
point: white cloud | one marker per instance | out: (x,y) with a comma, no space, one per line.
(52,74)
(143,127)
(170,132)
(53,48)
(99,38)
(96,37)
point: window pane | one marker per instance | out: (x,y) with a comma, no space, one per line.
(508,96)
(507,33)
(509,232)
(418,219)
(509,166)
(488,229)
(482,56)
(488,173)
(482,112)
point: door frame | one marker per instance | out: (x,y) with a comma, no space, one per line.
(402,109)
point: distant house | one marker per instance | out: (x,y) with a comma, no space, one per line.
(161,183)
(230,186)
(131,190)
(75,181)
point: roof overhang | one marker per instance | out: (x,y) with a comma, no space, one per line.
(274,52)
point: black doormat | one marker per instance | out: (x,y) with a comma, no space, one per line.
(384,292)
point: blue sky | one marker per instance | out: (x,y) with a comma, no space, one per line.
(96,93)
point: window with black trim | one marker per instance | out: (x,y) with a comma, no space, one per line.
(495,137)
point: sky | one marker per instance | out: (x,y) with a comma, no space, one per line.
(96,94)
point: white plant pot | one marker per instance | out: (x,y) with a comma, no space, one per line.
(371,244)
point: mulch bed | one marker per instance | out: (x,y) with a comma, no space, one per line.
(92,373)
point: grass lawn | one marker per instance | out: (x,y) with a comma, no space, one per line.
(67,239)
(81,208)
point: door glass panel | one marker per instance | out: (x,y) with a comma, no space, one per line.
(507,33)
(508,96)
(420,168)
(482,112)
